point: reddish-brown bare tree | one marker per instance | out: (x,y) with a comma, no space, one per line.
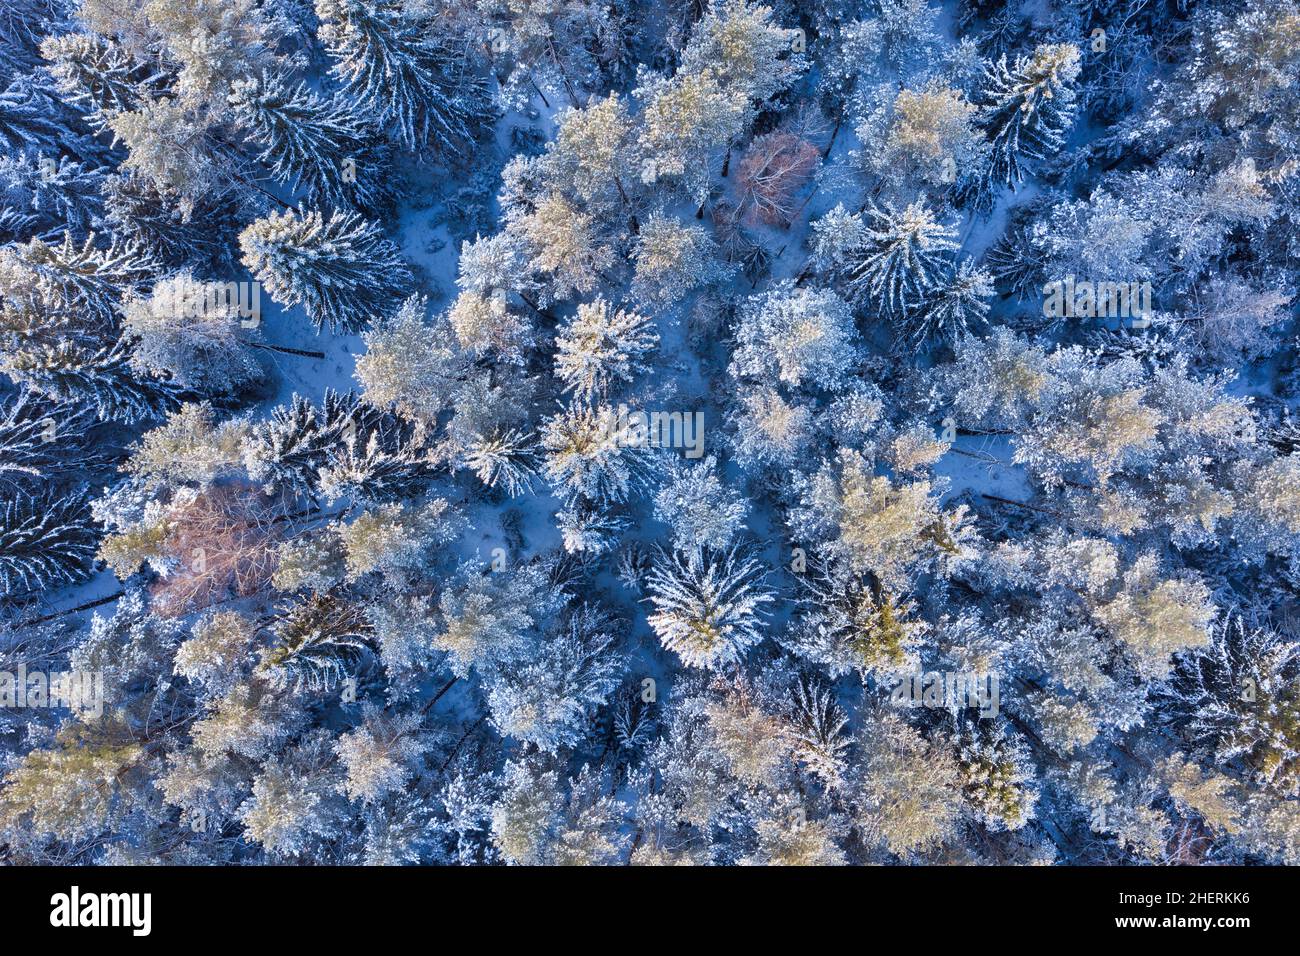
(773,170)
(222,544)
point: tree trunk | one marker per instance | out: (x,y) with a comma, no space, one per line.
(286,350)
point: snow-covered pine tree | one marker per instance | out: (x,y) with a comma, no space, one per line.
(411,363)
(688,121)
(752,56)
(208,354)
(708,606)
(321,145)
(797,336)
(702,511)
(593,155)
(546,699)
(601,345)
(673,259)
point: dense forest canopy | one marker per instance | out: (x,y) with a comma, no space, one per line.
(614,431)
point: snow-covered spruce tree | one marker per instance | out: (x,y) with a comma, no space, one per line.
(26,21)
(288,450)
(902,257)
(818,729)
(383,460)
(561,50)
(79,281)
(32,117)
(600,346)
(589,527)
(1237,702)
(996,773)
(320,145)
(414,80)
(1026,110)
(207,239)
(339,267)
(41,441)
(101,378)
(957,305)
(317,643)
(40,199)
(45,542)
(708,606)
